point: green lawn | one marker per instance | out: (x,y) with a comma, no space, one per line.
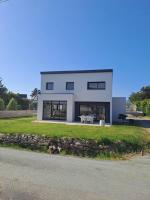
(114,133)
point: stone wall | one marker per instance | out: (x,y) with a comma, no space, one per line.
(16,113)
(79,147)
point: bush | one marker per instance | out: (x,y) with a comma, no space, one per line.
(12,105)
(33,106)
(23,104)
(144,106)
(2,104)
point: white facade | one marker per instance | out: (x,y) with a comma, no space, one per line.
(80,93)
(57,97)
(118,107)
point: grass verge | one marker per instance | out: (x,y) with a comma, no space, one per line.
(129,135)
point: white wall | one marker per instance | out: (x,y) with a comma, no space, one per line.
(80,85)
(57,97)
(118,107)
(80,92)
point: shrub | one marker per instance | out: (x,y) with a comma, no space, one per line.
(2,104)
(33,106)
(23,104)
(144,106)
(12,105)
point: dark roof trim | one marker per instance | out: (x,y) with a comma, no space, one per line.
(78,71)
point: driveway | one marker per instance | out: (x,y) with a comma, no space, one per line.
(144,123)
(141,121)
(35,176)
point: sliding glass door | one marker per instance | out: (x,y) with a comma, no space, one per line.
(92,109)
(56,110)
(101,110)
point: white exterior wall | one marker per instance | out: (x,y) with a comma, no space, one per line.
(80,92)
(57,97)
(80,85)
(118,107)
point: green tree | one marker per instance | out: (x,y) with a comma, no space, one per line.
(2,104)
(23,103)
(3,89)
(34,93)
(33,105)
(12,105)
(144,93)
(7,96)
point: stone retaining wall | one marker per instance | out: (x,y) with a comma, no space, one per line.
(16,113)
(80,147)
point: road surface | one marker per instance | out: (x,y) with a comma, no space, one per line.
(35,176)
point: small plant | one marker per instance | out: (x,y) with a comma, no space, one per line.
(12,105)
(2,104)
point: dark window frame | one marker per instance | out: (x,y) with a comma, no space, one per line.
(68,83)
(106,104)
(49,83)
(96,82)
(52,103)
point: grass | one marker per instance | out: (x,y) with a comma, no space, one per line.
(132,137)
(131,134)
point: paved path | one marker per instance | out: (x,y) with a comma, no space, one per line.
(141,121)
(35,176)
(145,123)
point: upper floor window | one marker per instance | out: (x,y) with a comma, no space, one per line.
(96,85)
(69,85)
(49,86)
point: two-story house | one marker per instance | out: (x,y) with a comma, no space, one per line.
(66,95)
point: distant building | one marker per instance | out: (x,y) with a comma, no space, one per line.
(22,96)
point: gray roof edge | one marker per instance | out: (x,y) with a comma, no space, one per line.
(78,71)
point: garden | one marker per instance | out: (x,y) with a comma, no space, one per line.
(91,141)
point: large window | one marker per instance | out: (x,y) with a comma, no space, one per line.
(90,109)
(96,85)
(54,110)
(49,86)
(69,85)
(101,110)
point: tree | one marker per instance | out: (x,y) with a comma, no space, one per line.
(33,105)
(34,93)
(7,96)
(12,105)
(2,104)
(23,103)
(3,89)
(144,93)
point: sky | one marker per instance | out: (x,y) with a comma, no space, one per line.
(45,35)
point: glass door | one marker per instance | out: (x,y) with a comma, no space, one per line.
(63,110)
(93,109)
(100,112)
(55,110)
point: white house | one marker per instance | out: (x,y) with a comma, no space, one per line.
(66,95)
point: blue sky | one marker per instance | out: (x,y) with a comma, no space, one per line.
(41,35)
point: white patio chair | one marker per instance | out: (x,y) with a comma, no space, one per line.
(83,118)
(90,119)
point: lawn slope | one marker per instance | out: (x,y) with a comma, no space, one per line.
(114,133)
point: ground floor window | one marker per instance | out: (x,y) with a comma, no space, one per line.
(101,110)
(55,110)
(96,110)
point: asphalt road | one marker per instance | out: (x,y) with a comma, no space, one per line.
(35,176)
